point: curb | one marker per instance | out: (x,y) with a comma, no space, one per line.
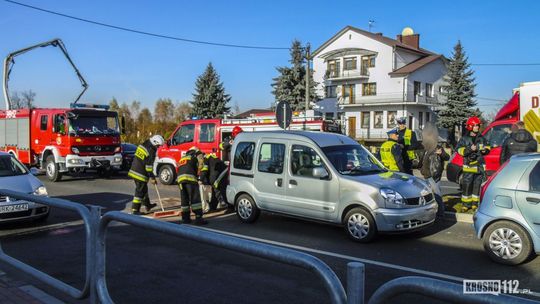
(458,217)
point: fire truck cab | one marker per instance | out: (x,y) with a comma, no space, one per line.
(207,134)
(63,140)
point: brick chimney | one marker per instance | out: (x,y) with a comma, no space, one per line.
(410,40)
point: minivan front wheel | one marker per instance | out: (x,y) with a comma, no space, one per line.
(360,226)
(507,243)
(246,209)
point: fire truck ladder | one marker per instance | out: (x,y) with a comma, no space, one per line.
(9,62)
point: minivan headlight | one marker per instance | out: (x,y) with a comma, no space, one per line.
(392,197)
(41,191)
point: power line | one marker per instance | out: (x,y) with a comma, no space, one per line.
(147,33)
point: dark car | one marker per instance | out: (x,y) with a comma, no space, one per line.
(128,152)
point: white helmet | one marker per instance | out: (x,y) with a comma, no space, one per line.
(157,140)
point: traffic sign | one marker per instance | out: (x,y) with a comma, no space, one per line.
(283,114)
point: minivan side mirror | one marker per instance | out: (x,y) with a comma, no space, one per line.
(320,172)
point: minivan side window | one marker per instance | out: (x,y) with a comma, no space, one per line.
(271,158)
(207,133)
(184,135)
(243,155)
(534,179)
(304,160)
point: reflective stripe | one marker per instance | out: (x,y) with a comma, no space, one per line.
(387,158)
(196,206)
(204,168)
(149,168)
(461,151)
(210,155)
(221,146)
(185,208)
(186,178)
(475,199)
(141,152)
(220,177)
(469,169)
(407,141)
(467,199)
(137,176)
(136,200)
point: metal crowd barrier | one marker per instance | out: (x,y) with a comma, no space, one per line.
(95,285)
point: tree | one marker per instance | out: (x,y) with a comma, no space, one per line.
(22,100)
(459,93)
(164,111)
(210,99)
(182,111)
(145,123)
(290,85)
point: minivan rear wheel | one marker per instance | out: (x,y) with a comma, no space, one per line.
(507,243)
(246,209)
(360,226)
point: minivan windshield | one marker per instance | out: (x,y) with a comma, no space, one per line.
(353,160)
(10,166)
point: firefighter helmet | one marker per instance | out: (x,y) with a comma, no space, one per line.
(472,121)
(236,130)
(194,151)
(157,140)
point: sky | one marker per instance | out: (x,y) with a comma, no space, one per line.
(131,66)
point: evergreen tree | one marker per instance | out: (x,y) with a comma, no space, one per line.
(290,85)
(210,99)
(459,93)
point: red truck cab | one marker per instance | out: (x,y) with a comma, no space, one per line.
(495,133)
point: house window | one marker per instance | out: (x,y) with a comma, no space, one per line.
(369,89)
(391,122)
(349,64)
(417,88)
(333,68)
(349,93)
(378,120)
(429,89)
(331,92)
(365,120)
(428,119)
(421,120)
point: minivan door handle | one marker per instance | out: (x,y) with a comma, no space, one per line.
(533,200)
(279,182)
(293,182)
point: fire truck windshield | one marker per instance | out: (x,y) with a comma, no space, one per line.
(93,125)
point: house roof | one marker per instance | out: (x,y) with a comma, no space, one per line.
(377,37)
(415,65)
(249,113)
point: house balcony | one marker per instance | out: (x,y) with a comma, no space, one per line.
(346,74)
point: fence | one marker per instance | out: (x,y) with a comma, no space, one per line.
(95,286)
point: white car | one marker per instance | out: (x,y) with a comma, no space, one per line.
(16,177)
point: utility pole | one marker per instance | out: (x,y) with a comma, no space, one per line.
(308,58)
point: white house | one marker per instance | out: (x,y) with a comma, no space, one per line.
(376,79)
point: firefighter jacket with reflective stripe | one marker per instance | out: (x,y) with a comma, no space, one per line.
(225,148)
(391,156)
(188,166)
(473,161)
(142,167)
(212,168)
(407,138)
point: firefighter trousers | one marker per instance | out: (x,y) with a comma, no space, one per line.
(190,197)
(141,195)
(470,186)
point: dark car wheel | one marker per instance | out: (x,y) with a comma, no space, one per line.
(52,169)
(360,225)
(507,243)
(246,209)
(167,174)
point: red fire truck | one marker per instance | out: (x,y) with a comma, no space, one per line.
(207,134)
(60,140)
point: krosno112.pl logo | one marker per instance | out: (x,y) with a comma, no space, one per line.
(494,287)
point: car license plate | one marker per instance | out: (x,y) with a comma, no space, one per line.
(13,208)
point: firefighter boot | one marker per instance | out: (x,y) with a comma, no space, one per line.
(149,207)
(186,218)
(199,221)
(136,208)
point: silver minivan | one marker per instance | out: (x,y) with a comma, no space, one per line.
(325,177)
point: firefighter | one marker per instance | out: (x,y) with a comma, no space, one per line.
(226,145)
(391,154)
(473,146)
(409,144)
(142,171)
(188,183)
(210,172)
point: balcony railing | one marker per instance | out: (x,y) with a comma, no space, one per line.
(334,74)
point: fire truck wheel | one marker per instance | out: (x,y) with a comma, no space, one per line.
(52,170)
(166,174)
